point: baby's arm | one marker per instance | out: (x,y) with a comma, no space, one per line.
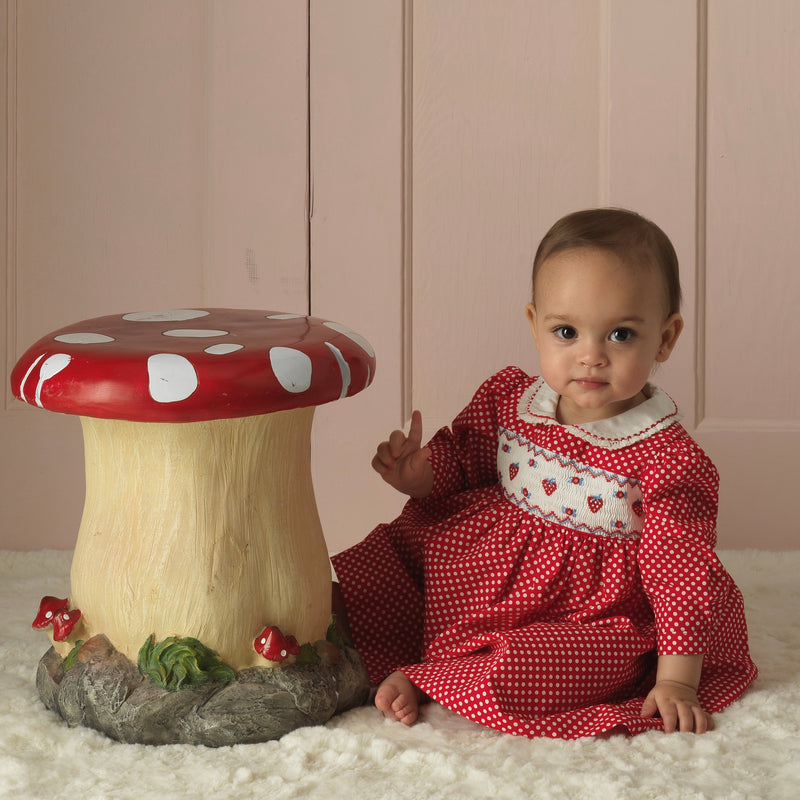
(463,456)
(674,696)
(682,577)
(403,463)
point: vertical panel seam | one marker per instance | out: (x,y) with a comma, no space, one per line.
(604,103)
(407,99)
(208,177)
(701,209)
(309,172)
(12,180)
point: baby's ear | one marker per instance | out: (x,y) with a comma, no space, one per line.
(530,313)
(670,333)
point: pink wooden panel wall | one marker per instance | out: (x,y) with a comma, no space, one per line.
(505,140)
(146,169)
(748,392)
(357,245)
(518,112)
(393,165)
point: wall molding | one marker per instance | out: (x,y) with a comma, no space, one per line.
(604,107)
(407,163)
(10,176)
(739,425)
(701,193)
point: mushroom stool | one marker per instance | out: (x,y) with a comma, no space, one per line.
(200,605)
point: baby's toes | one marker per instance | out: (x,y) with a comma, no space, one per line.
(405,710)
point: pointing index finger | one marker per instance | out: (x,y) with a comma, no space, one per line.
(415,430)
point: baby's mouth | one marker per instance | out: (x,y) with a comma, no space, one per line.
(590,383)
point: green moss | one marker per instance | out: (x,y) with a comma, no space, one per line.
(335,635)
(72,657)
(308,655)
(180,663)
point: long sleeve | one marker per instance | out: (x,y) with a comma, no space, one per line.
(684,580)
(465,456)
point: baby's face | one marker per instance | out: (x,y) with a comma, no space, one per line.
(600,326)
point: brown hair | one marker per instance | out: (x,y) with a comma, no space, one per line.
(630,236)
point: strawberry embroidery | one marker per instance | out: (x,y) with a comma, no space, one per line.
(637,508)
(513,469)
(549,486)
(595,503)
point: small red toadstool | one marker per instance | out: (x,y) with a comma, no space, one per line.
(64,622)
(49,606)
(56,612)
(274,646)
(200,514)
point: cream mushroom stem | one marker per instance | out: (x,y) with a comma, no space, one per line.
(203,529)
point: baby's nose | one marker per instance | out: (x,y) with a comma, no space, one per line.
(593,355)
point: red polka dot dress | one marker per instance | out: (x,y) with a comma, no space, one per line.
(532,591)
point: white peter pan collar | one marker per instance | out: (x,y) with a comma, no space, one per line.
(539,402)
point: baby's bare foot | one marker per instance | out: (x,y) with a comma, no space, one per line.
(398,699)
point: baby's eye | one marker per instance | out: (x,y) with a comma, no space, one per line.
(621,335)
(565,332)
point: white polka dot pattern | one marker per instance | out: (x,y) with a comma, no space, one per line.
(534,627)
(292,368)
(172,377)
(51,366)
(84,338)
(168,315)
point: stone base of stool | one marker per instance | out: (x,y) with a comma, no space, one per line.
(107,692)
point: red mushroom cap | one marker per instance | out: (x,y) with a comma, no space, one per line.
(292,646)
(274,646)
(49,606)
(190,365)
(56,611)
(63,623)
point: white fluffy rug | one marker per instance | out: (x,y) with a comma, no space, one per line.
(753,753)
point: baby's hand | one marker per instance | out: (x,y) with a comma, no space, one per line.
(403,464)
(678,706)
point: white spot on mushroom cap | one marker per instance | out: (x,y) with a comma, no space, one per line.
(195,333)
(172,377)
(344,368)
(84,338)
(292,368)
(26,376)
(285,316)
(353,336)
(172,315)
(223,349)
(50,367)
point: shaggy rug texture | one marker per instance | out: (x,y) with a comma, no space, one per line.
(754,752)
